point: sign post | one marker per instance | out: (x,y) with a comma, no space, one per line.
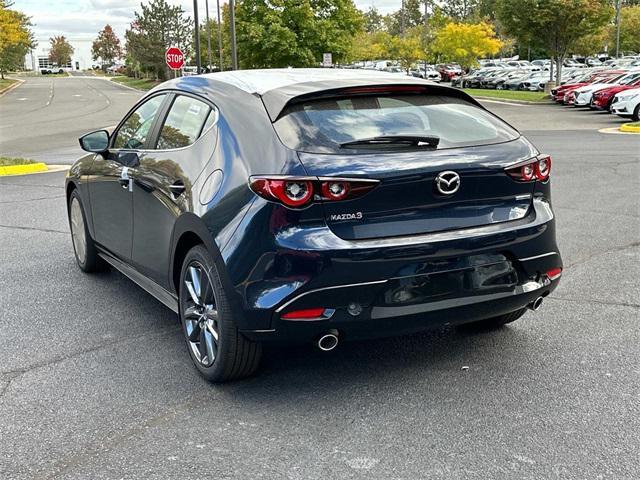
(174,58)
(327,60)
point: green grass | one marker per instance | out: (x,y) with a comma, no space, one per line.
(8,161)
(6,83)
(634,124)
(139,83)
(508,94)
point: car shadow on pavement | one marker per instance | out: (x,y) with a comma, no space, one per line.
(435,356)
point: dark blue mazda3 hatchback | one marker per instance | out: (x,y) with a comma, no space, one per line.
(315,206)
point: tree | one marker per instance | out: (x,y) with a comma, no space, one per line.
(294,33)
(373,20)
(16,38)
(557,25)
(157,27)
(106,46)
(406,50)
(464,43)
(401,21)
(61,51)
(629,29)
(369,46)
(460,9)
(215,58)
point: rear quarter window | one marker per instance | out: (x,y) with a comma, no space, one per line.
(320,126)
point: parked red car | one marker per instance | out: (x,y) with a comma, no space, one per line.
(559,93)
(602,98)
(448,71)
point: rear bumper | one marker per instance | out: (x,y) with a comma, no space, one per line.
(379,321)
(402,284)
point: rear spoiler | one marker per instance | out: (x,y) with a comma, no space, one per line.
(275,101)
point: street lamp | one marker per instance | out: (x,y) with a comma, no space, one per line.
(197,34)
(618,29)
(232,19)
(220,67)
(206,5)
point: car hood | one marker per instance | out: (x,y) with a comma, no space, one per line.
(629,93)
(593,87)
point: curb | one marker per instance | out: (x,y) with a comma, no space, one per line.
(23,169)
(508,100)
(617,131)
(108,79)
(628,128)
(12,87)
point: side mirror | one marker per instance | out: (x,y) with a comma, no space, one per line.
(96,142)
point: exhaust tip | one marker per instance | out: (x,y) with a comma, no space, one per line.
(328,342)
(536,304)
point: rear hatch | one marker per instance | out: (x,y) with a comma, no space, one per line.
(472,144)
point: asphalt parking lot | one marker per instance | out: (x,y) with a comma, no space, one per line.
(96,382)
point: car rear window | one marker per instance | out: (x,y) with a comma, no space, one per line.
(322,125)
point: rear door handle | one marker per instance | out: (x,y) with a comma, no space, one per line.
(177,188)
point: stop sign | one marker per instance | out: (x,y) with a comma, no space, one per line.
(174,58)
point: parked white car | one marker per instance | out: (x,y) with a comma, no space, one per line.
(583,95)
(627,104)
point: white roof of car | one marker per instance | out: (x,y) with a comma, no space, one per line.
(262,81)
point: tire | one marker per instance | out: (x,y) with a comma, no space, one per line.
(84,248)
(495,322)
(636,114)
(218,350)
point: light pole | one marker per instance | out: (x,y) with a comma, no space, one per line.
(197,33)
(206,5)
(221,66)
(232,20)
(618,29)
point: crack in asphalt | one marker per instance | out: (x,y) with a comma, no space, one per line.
(599,212)
(598,302)
(18,372)
(31,184)
(45,230)
(88,453)
(601,253)
(31,199)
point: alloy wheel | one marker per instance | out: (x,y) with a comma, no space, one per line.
(200,316)
(78,232)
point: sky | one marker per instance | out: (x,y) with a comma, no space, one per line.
(81,20)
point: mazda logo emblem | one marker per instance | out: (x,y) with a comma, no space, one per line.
(447,183)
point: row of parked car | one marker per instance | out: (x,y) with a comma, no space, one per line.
(615,90)
(523,75)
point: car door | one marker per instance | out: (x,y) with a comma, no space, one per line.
(111,186)
(163,180)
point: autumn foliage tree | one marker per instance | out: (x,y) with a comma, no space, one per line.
(106,46)
(629,29)
(464,43)
(15,38)
(60,51)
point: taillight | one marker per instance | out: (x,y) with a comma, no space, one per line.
(299,192)
(335,190)
(536,169)
(543,168)
(294,193)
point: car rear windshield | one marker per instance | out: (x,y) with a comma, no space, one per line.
(323,125)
